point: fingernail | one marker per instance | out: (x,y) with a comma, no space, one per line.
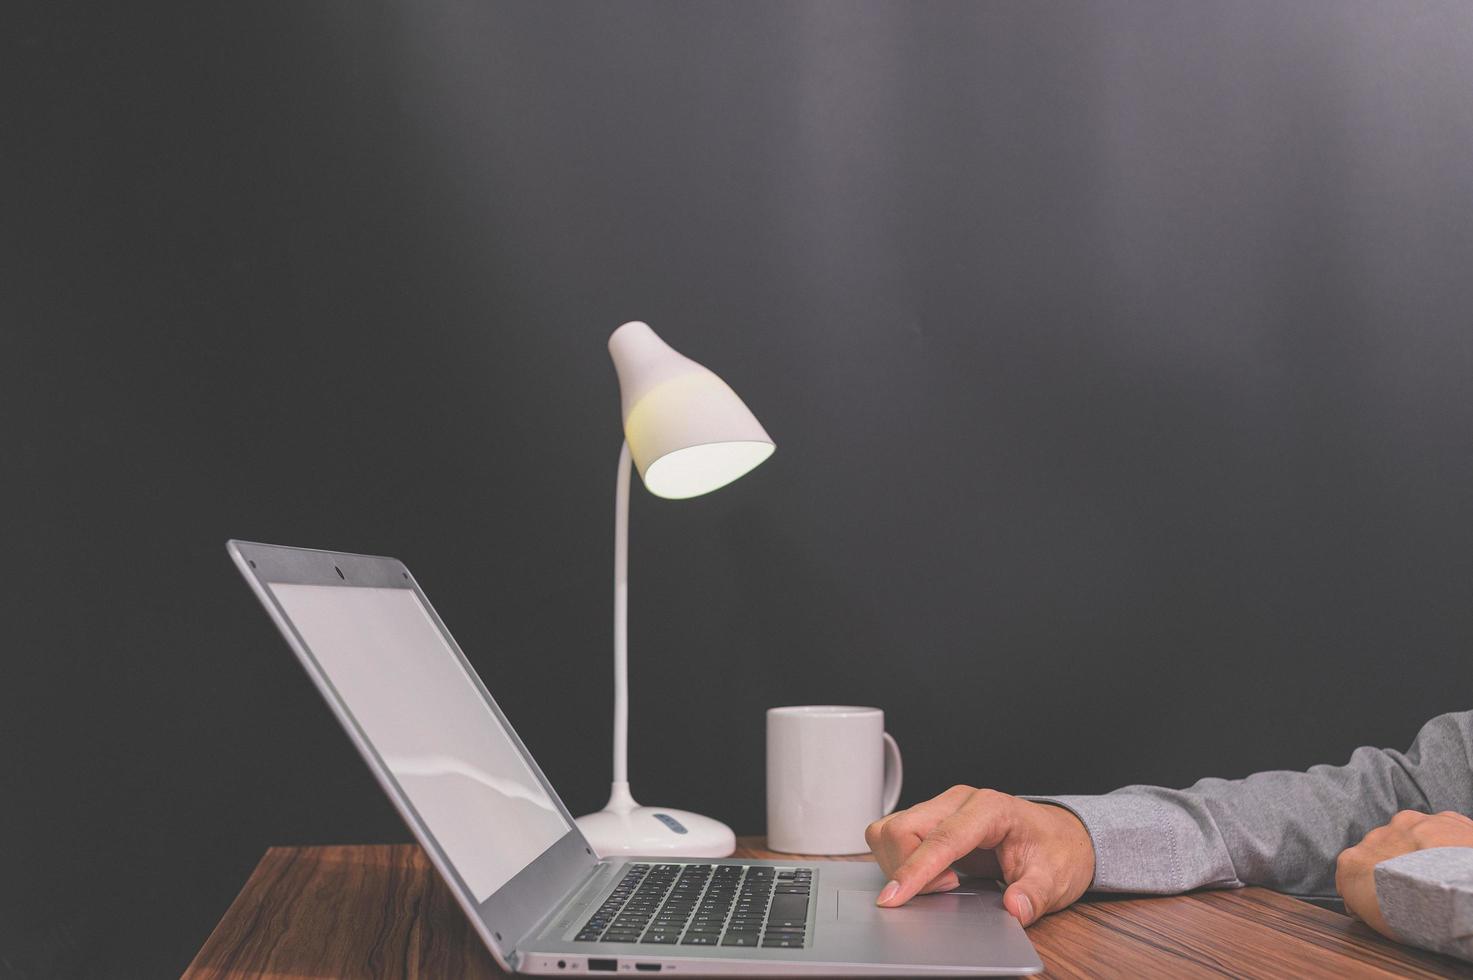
(954,883)
(888,893)
(1026,907)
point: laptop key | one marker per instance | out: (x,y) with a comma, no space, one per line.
(740,939)
(789,907)
(661,938)
(700,939)
(783,943)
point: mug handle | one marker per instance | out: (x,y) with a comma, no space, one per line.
(893,774)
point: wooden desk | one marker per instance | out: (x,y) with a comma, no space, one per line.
(381,911)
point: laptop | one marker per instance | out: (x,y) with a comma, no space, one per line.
(535,892)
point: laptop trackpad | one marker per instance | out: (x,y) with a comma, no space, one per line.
(859,906)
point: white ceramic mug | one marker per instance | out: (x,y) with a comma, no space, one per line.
(832,770)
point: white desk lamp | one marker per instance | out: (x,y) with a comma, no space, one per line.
(688,434)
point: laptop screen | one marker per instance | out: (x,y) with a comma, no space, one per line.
(425,717)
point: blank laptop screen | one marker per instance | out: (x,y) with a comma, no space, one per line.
(424,716)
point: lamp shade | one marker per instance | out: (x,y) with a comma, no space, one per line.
(688,432)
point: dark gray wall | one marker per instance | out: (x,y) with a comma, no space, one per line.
(1118,356)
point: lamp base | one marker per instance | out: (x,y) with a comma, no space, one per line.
(625,827)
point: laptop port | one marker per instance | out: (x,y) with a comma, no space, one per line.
(648,967)
(612,966)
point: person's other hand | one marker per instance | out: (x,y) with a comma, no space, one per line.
(1042,851)
(1355,869)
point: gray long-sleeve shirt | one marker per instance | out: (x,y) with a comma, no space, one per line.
(1284,830)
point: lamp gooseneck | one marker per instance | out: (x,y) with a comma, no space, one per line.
(620,799)
(623,826)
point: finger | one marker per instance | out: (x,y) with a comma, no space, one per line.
(944,882)
(873,831)
(982,822)
(901,833)
(1356,883)
(1346,865)
(1029,898)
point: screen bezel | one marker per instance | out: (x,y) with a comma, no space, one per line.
(513,910)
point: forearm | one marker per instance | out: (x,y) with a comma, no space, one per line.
(1278,829)
(1282,830)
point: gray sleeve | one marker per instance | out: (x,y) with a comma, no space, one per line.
(1282,830)
(1426,898)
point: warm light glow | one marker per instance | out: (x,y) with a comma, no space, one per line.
(696,470)
(688,432)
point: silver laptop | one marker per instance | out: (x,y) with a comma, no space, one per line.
(497,832)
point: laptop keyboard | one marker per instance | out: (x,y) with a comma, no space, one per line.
(705,905)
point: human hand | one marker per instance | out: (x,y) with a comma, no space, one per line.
(1355,868)
(1042,851)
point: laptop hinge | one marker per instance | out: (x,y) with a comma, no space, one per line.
(594,874)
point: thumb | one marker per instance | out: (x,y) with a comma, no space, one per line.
(1028,898)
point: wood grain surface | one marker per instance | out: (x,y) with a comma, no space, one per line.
(371,911)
